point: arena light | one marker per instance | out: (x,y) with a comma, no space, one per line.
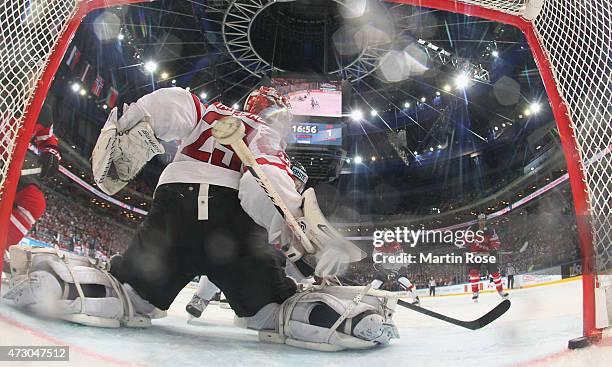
(423,99)
(431,149)
(173,81)
(373,113)
(535,107)
(358,160)
(203,95)
(415,152)
(406,104)
(105,107)
(236,106)
(356,115)
(164,75)
(462,81)
(495,53)
(120,37)
(447,88)
(373,159)
(437,93)
(82,92)
(76,87)
(150,66)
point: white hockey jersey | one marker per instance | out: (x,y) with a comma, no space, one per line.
(176,114)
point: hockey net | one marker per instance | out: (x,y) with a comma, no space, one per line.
(570,40)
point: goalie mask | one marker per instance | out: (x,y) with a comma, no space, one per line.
(300,177)
(268,103)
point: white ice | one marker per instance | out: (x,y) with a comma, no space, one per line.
(534,331)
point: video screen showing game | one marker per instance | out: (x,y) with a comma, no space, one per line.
(315,134)
(311,98)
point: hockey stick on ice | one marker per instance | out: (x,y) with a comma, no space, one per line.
(481,322)
(230,131)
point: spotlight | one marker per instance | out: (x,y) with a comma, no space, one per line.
(76,87)
(373,158)
(437,93)
(173,81)
(236,106)
(406,104)
(164,75)
(373,113)
(150,66)
(358,160)
(447,88)
(82,92)
(348,160)
(431,149)
(495,53)
(203,95)
(105,107)
(439,146)
(423,99)
(415,152)
(356,115)
(496,128)
(535,107)
(462,81)
(120,37)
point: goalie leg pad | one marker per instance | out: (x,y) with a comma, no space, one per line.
(361,321)
(69,287)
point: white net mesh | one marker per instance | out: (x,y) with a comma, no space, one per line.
(577,37)
(580,53)
(29,31)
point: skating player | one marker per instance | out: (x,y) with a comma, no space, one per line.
(29,204)
(202,221)
(394,270)
(489,245)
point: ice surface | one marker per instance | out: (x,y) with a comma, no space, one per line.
(535,330)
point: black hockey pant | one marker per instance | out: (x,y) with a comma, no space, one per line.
(172,246)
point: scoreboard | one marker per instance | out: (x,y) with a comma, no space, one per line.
(315,134)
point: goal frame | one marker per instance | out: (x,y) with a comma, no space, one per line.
(558,105)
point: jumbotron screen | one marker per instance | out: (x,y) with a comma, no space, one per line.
(315,134)
(311,98)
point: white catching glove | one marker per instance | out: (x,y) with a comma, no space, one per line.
(119,155)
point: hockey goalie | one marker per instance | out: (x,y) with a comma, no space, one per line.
(204,220)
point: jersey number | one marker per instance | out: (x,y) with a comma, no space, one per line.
(216,157)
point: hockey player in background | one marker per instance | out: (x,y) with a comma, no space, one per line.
(384,271)
(489,245)
(207,290)
(29,204)
(203,221)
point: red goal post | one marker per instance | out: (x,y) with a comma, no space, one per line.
(34,36)
(570,41)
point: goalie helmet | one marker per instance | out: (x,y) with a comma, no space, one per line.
(268,103)
(300,177)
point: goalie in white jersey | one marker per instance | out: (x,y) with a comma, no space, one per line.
(203,222)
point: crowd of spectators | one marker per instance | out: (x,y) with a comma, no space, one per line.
(80,227)
(540,235)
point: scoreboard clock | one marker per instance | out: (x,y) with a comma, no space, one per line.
(315,134)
